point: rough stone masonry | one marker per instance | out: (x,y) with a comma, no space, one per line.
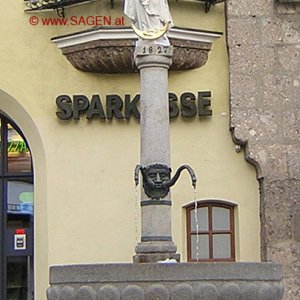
(264,51)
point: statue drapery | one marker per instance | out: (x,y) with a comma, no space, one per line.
(151,18)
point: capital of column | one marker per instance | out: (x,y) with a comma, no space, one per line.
(153,55)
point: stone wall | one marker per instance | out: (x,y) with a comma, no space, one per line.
(264,51)
(158,281)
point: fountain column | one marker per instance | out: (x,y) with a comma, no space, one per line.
(153,61)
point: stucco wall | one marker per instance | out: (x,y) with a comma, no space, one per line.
(86,207)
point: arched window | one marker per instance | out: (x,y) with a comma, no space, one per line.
(210,231)
(17,213)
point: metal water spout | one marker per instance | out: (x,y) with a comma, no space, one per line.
(157,179)
(178,172)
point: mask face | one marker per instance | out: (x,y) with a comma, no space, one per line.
(156,175)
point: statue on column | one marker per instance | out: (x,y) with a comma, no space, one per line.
(151,18)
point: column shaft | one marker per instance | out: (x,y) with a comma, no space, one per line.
(156,241)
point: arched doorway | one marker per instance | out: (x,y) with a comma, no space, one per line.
(17,214)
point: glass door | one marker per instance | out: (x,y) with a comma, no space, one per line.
(17,214)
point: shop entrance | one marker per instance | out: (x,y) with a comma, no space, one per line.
(17,214)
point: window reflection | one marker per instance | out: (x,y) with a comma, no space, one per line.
(200,251)
(202,219)
(19,197)
(19,204)
(17,284)
(220,218)
(19,157)
(221,246)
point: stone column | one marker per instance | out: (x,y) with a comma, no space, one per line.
(153,61)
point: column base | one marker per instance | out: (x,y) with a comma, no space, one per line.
(155,257)
(152,252)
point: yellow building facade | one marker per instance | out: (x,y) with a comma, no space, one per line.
(86,207)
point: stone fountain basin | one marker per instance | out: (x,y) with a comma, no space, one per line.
(163,281)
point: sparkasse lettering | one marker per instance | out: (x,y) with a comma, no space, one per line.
(188,105)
